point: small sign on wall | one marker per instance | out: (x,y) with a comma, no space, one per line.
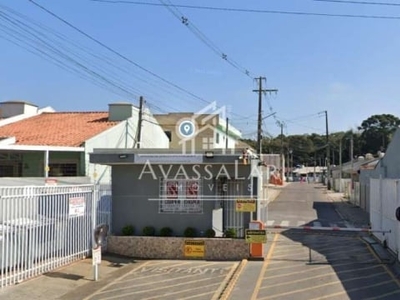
(245,205)
(77,206)
(194,248)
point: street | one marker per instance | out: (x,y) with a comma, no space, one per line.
(314,264)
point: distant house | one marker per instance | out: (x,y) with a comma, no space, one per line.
(210,132)
(57,144)
(389,164)
(304,171)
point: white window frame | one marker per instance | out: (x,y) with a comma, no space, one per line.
(187,198)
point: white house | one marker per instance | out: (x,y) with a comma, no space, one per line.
(42,143)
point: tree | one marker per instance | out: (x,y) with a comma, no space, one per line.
(377,132)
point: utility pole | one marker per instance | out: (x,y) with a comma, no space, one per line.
(282,153)
(140,121)
(328,169)
(260,91)
(341,165)
(352,158)
(226,133)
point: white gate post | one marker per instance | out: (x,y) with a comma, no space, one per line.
(94,242)
(397,232)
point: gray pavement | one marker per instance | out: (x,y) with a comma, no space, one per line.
(315,264)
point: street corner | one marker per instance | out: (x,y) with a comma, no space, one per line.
(166,279)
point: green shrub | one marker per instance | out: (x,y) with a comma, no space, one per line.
(230,233)
(149,231)
(189,232)
(128,230)
(166,231)
(210,233)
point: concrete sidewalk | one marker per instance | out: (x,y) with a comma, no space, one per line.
(64,281)
(349,212)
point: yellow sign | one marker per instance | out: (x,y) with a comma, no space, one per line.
(256,236)
(245,205)
(194,248)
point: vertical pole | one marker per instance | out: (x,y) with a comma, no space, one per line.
(315,166)
(341,166)
(282,159)
(95,267)
(259,126)
(327,152)
(352,158)
(140,121)
(46,164)
(226,133)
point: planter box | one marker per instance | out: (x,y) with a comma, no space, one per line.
(173,247)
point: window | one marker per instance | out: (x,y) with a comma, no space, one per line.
(169,135)
(180,196)
(217,138)
(63,169)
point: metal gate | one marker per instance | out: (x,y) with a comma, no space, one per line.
(228,191)
(45,227)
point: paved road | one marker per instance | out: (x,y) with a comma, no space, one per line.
(169,280)
(304,204)
(314,265)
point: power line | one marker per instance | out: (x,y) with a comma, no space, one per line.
(259,11)
(201,36)
(112,50)
(360,2)
(117,53)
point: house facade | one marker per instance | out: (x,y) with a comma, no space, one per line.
(209,131)
(165,188)
(57,144)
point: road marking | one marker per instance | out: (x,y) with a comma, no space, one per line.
(324,285)
(178,292)
(158,288)
(315,269)
(334,247)
(324,275)
(230,281)
(384,295)
(285,223)
(115,280)
(347,291)
(264,268)
(196,296)
(384,266)
(159,274)
(270,222)
(153,282)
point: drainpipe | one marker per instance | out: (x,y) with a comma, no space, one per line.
(46,164)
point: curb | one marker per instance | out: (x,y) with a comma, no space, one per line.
(231,282)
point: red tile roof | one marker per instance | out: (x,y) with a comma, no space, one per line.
(68,129)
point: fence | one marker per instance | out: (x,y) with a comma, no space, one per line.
(45,227)
(384,200)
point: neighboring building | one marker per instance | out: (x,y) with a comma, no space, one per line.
(165,188)
(309,171)
(389,164)
(209,132)
(57,144)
